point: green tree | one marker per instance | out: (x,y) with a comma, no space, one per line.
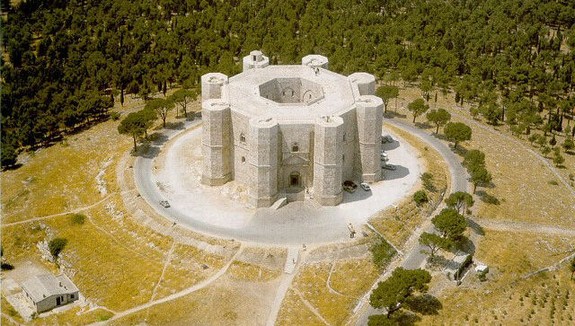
(433,242)
(460,201)
(545,150)
(558,159)
(417,108)
(568,144)
(473,158)
(136,124)
(457,132)
(450,223)
(438,117)
(161,107)
(387,92)
(56,246)
(183,97)
(401,285)
(9,155)
(491,112)
(480,176)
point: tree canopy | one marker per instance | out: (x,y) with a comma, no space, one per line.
(401,285)
(136,124)
(457,132)
(450,223)
(460,201)
(438,117)
(417,108)
(65,62)
(387,92)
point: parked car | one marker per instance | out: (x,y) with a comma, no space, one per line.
(388,167)
(365,186)
(349,186)
(386,139)
(164,203)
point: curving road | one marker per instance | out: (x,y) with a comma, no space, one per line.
(414,258)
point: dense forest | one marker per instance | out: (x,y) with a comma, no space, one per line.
(65,62)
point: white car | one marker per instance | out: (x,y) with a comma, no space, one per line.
(388,167)
(365,186)
(384,156)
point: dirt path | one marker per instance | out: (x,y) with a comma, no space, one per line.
(285,284)
(311,307)
(177,295)
(166,264)
(76,210)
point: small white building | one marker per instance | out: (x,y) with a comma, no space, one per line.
(48,291)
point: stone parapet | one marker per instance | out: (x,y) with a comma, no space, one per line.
(315,61)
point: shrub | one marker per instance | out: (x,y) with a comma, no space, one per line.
(420,197)
(427,179)
(78,219)
(56,246)
(382,253)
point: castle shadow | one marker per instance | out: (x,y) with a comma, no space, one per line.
(357,195)
(390,146)
(475,227)
(399,172)
(150,152)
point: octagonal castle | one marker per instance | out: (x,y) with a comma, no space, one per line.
(288,131)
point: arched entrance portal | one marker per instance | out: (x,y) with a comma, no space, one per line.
(295,180)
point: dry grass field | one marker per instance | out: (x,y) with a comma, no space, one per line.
(511,295)
(529,193)
(227,301)
(117,262)
(327,291)
(526,189)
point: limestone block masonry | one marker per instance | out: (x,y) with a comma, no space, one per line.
(293,131)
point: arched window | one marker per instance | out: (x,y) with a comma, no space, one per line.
(243,159)
(295,147)
(242,137)
(344,136)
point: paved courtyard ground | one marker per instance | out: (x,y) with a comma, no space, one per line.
(174,174)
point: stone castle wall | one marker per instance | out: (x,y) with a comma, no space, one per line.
(275,156)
